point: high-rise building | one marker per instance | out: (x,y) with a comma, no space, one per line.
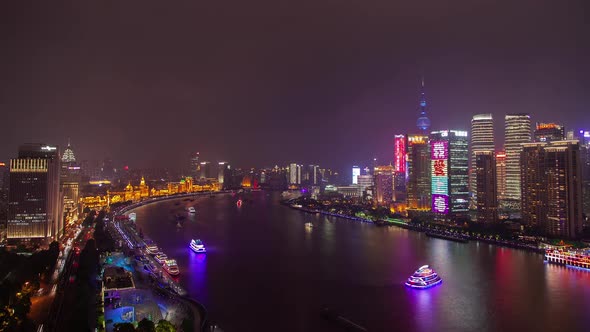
(356,171)
(194,166)
(482,139)
(222,172)
(552,187)
(364,181)
(517,131)
(310,175)
(485,179)
(383,179)
(423,122)
(501,174)
(418,187)
(70,178)
(399,153)
(294,174)
(34,200)
(449,173)
(548,132)
(4,181)
(205,170)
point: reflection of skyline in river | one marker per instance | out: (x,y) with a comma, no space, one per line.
(262,259)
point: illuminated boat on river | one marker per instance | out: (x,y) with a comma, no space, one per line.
(160,258)
(572,258)
(191,210)
(152,249)
(198,246)
(171,267)
(424,277)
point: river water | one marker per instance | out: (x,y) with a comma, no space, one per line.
(265,271)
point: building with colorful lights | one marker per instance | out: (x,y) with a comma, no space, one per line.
(383,178)
(356,171)
(449,156)
(552,187)
(517,130)
(419,182)
(485,179)
(34,200)
(399,163)
(70,178)
(482,139)
(501,174)
(548,132)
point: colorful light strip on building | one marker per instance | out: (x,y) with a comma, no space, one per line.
(400,153)
(439,155)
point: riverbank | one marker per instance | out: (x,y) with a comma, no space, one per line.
(459,237)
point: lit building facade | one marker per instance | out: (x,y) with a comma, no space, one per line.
(485,179)
(194,166)
(548,132)
(70,178)
(383,178)
(482,139)
(205,170)
(356,171)
(501,174)
(552,187)
(294,174)
(364,181)
(517,129)
(399,153)
(34,202)
(223,169)
(418,187)
(449,173)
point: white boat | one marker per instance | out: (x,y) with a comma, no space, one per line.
(160,258)
(191,210)
(171,267)
(197,246)
(424,277)
(308,225)
(152,249)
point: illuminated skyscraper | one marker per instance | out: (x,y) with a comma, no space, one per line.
(418,173)
(294,174)
(70,178)
(449,173)
(485,179)
(552,187)
(517,131)
(68,156)
(501,174)
(222,172)
(364,181)
(423,122)
(399,153)
(356,171)
(34,203)
(205,170)
(194,166)
(548,132)
(384,185)
(482,139)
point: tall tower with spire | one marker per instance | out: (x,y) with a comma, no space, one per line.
(423,122)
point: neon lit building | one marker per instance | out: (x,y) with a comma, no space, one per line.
(449,156)
(34,200)
(356,171)
(485,178)
(548,132)
(384,185)
(501,174)
(399,154)
(482,139)
(418,187)
(517,131)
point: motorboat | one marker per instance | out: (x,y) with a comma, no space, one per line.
(197,246)
(171,267)
(152,249)
(308,225)
(424,277)
(191,209)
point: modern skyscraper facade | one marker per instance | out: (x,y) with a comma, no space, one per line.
(384,185)
(194,166)
(34,203)
(399,153)
(552,187)
(517,129)
(364,181)
(482,139)
(205,170)
(418,187)
(294,174)
(222,172)
(356,171)
(70,178)
(485,179)
(548,132)
(449,173)
(501,174)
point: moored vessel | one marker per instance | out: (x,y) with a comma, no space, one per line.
(573,258)
(171,267)
(160,258)
(424,277)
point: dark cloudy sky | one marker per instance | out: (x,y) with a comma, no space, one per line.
(270,81)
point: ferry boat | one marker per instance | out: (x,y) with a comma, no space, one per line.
(573,258)
(198,246)
(160,258)
(308,225)
(171,267)
(424,277)
(152,249)
(191,210)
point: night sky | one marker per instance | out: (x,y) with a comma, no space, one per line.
(263,82)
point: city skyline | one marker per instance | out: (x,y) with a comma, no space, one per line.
(225,93)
